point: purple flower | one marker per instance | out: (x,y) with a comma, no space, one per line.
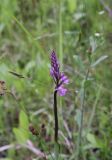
(59,77)
(62,91)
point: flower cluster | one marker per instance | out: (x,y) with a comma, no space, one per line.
(59,77)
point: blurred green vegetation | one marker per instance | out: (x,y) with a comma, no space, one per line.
(81,34)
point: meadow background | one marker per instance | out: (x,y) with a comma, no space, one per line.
(80,32)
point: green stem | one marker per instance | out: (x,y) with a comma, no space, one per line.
(60,34)
(82,117)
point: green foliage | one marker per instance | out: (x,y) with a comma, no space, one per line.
(22,133)
(80,33)
(23,123)
(72,5)
(94,142)
(8,9)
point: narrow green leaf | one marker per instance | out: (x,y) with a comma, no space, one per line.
(102,58)
(23,120)
(78,117)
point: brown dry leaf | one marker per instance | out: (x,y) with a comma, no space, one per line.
(2,88)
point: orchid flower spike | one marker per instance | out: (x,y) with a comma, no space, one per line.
(59,77)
